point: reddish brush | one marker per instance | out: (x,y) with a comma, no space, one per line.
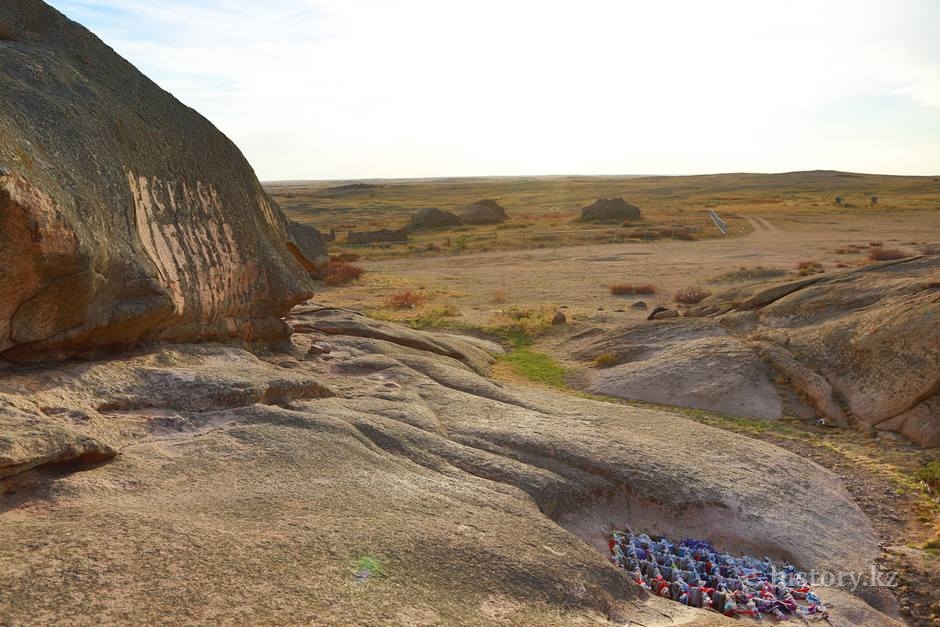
(340,273)
(405,300)
(628,289)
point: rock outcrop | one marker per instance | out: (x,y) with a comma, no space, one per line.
(861,345)
(610,210)
(485,211)
(433,218)
(124,215)
(308,247)
(273,479)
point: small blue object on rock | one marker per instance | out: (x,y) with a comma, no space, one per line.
(694,573)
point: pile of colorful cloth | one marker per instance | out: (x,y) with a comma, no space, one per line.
(694,573)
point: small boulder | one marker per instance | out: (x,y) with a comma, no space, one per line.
(320,348)
(559,318)
(662,313)
(433,218)
(610,210)
(639,305)
(486,211)
(307,246)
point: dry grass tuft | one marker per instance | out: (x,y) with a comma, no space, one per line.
(807,268)
(631,289)
(528,321)
(405,300)
(499,297)
(606,360)
(691,295)
(340,273)
(748,274)
(678,232)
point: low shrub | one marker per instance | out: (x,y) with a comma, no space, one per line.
(405,300)
(677,232)
(684,235)
(691,295)
(340,273)
(519,324)
(630,289)
(886,254)
(647,235)
(929,474)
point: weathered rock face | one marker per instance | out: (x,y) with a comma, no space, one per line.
(862,344)
(273,476)
(124,215)
(485,211)
(433,218)
(609,210)
(685,363)
(308,247)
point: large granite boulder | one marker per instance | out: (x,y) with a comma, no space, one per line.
(125,216)
(433,218)
(610,210)
(485,211)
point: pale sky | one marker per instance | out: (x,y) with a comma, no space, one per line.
(342,89)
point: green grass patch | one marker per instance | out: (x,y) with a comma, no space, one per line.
(369,564)
(536,366)
(930,474)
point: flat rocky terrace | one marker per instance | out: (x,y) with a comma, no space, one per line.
(204,483)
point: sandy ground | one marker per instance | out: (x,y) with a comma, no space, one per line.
(578,278)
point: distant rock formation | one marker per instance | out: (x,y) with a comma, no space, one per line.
(485,211)
(610,210)
(125,216)
(433,218)
(382,236)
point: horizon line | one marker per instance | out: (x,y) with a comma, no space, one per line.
(545,176)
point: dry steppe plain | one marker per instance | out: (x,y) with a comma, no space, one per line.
(480,279)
